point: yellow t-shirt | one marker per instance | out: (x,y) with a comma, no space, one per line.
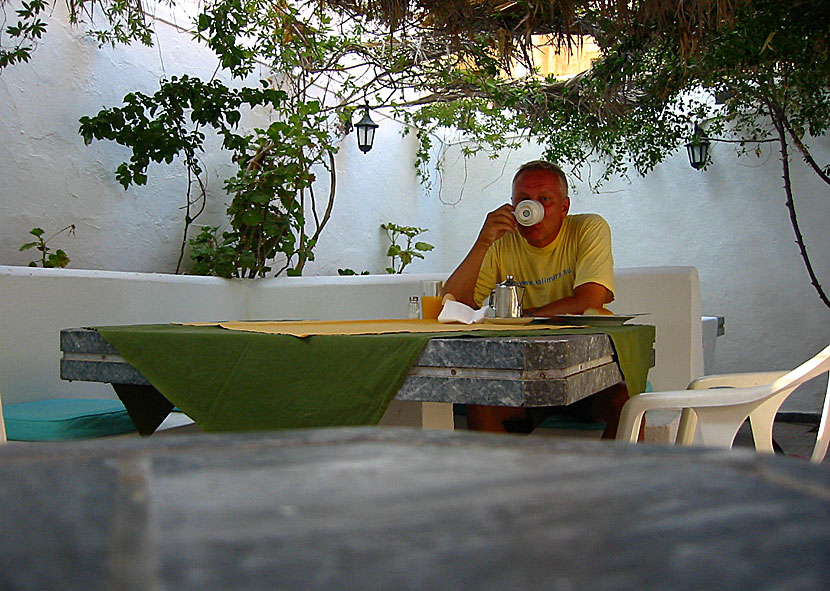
(580,253)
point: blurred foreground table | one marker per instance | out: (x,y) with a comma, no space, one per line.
(372,508)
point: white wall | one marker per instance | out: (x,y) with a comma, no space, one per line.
(729,221)
(51,179)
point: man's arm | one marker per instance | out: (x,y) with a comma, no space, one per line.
(594,270)
(462,283)
(587,295)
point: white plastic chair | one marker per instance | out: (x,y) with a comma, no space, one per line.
(715,407)
(2,423)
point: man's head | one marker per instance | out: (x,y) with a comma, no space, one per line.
(546,183)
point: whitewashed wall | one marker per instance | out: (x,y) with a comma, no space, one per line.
(51,179)
(729,221)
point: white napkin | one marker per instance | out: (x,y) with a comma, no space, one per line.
(457,312)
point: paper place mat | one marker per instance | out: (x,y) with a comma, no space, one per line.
(357,327)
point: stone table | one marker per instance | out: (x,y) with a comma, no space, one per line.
(371,508)
(504,370)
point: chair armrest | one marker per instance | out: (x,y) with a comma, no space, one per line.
(636,406)
(736,380)
(698,398)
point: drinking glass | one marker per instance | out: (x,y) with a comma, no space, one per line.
(431,298)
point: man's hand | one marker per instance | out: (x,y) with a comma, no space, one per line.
(497,224)
(462,282)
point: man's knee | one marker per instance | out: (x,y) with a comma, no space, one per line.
(607,404)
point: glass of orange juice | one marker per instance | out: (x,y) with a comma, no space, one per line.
(431,299)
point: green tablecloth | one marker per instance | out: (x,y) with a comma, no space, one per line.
(236,381)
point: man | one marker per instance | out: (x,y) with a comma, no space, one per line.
(566,266)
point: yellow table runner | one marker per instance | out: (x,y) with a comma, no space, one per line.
(306,328)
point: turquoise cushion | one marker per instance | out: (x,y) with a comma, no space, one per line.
(65,418)
(555,421)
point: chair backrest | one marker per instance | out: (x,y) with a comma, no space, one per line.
(823,436)
(768,399)
(818,365)
(805,372)
(671,297)
(2,422)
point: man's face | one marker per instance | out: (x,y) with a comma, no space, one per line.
(545,187)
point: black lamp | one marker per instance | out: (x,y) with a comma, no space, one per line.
(365,132)
(698,148)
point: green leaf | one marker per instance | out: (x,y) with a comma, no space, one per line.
(767,42)
(58,259)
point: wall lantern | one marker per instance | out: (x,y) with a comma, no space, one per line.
(698,148)
(365,132)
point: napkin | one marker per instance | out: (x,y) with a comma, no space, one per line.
(457,312)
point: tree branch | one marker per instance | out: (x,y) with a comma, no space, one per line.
(330,206)
(805,151)
(777,117)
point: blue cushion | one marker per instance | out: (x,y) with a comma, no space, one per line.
(65,418)
(555,421)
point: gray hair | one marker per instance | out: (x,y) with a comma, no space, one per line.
(544,165)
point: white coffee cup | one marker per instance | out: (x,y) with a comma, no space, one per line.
(529,212)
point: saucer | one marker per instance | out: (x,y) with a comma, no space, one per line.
(520,320)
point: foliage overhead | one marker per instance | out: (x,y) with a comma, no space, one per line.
(511,25)
(452,63)
(22,34)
